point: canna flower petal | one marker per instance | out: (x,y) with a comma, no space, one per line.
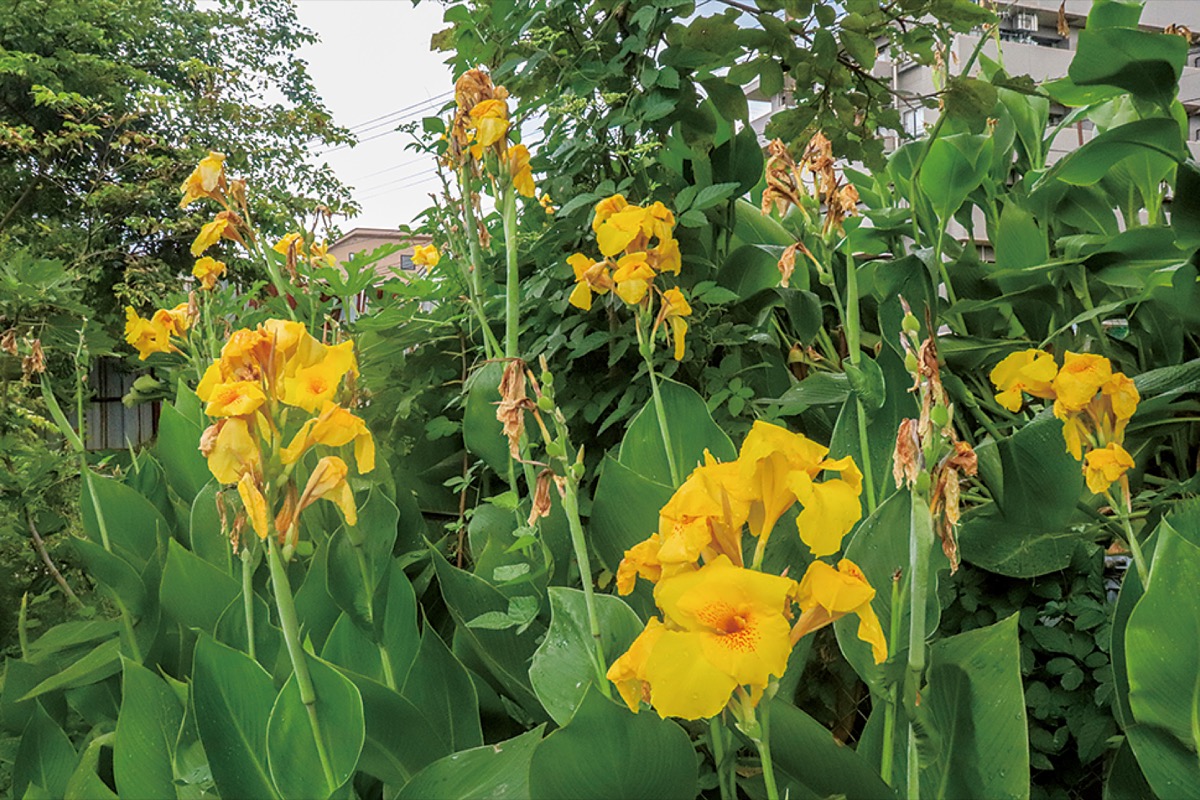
(334,427)
(831,508)
(233,450)
(619,230)
(328,481)
(147,336)
(1075,432)
(520,171)
(1104,466)
(1122,394)
(426,255)
(176,320)
(205,180)
(209,271)
(628,672)
(606,208)
(235,399)
(209,235)
(255,503)
(490,118)
(1081,376)
(1029,371)
(769,455)
(827,594)
(632,278)
(683,682)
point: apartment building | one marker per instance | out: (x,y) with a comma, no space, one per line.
(1032,45)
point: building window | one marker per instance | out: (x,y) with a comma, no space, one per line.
(109,424)
(913,122)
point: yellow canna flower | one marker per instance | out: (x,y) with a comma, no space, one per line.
(827,594)
(255,503)
(606,208)
(519,169)
(674,308)
(231,450)
(658,222)
(1075,432)
(726,627)
(1105,465)
(632,278)
(145,335)
(176,320)
(236,399)
(291,242)
(1081,376)
(620,230)
(334,427)
(666,256)
(208,270)
(328,481)
(205,181)
(1123,397)
(426,255)
(590,276)
(210,234)
(1030,371)
(490,118)
(319,254)
(313,375)
(769,456)
(641,559)
(628,672)
(830,508)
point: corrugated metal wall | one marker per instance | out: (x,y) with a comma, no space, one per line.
(110,425)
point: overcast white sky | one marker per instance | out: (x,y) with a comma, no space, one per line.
(374,62)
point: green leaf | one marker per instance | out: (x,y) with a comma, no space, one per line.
(1168,767)
(44,758)
(1095,159)
(1027,531)
(691,430)
(1185,207)
(113,574)
(146,733)
(400,636)
(880,547)
(752,268)
(820,389)
(494,772)
(482,432)
(232,695)
(101,662)
(440,686)
(607,751)
(506,654)
(204,530)
(1020,242)
(356,593)
(131,521)
(974,707)
(1162,645)
(710,196)
(85,782)
(292,746)
(882,424)
(178,450)
(395,748)
(564,665)
(624,510)
(1146,64)
(859,47)
(194,593)
(805,751)
(955,167)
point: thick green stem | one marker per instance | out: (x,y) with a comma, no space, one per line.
(763,743)
(512,287)
(853,343)
(919,545)
(721,763)
(571,507)
(248,600)
(647,350)
(389,674)
(472,233)
(286,605)
(1123,509)
(889,711)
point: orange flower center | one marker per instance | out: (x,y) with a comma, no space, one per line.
(317,385)
(733,626)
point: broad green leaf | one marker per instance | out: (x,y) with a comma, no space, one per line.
(204,530)
(880,547)
(130,520)
(974,711)
(955,167)
(505,652)
(231,629)
(113,574)
(99,663)
(482,432)
(1125,780)
(178,450)
(806,752)
(20,677)
(624,510)
(822,388)
(1091,162)
(396,747)
(70,635)
(1162,648)
(1168,766)
(291,741)
(44,758)
(691,431)
(752,227)
(146,734)
(494,772)
(1185,206)
(565,662)
(355,575)
(316,610)
(194,593)
(233,695)
(1147,64)
(351,650)
(1020,242)
(440,686)
(881,427)
(752,268)
(608,751)
(85,782)
(400,636)
(1027,531)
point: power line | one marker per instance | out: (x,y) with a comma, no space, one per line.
(397,180)
(423,158)
(370,122)
(414,180)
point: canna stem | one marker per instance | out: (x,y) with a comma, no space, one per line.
(248,600)
(919,545)
(571,507)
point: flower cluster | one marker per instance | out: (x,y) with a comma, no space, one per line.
(636,244)
(154,335)
(481,127)
(724,625)
(254,390)
(785,182)
(294,248)
(1094,403)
